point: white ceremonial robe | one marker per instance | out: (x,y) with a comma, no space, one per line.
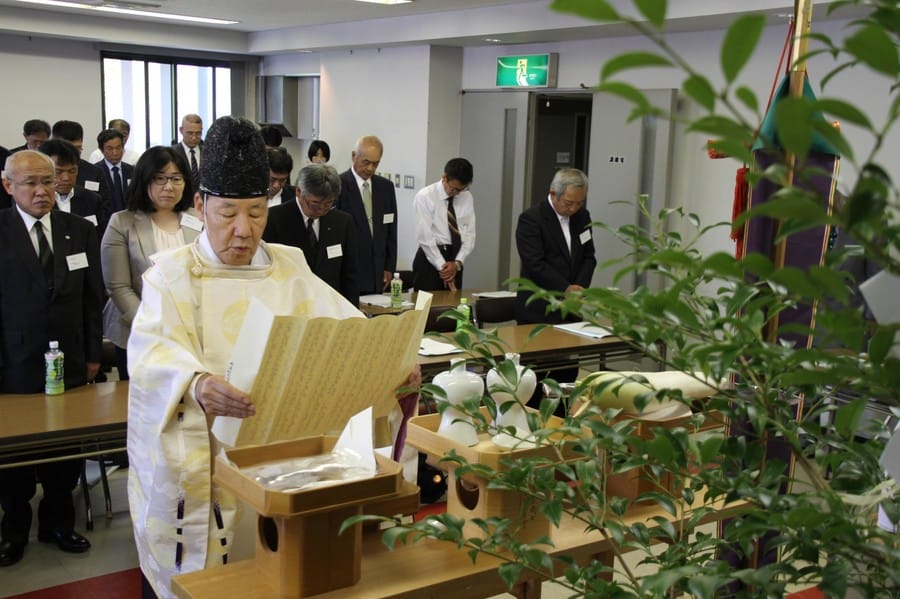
(182,522)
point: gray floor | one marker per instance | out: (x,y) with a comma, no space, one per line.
(112,546)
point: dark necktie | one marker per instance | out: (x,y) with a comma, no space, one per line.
(455,239)
(311,234)
(45,255)
(118,191)
(195,170)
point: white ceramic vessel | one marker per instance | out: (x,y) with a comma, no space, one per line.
(511,406)
(459,385)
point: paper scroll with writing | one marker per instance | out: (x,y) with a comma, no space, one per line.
(309,376)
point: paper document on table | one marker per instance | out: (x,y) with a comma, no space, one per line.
(433,347)
(381,300)
(315,373)
(494,294)
(585,328)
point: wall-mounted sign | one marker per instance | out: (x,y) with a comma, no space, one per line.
(534,70)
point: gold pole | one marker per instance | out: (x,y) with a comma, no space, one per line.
(803,24)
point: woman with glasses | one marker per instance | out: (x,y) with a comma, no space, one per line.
(159,216)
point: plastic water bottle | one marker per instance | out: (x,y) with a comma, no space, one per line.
(396,292)
(54,373)
(466,311)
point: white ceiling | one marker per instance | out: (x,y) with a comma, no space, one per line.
(283,26)
(262,15)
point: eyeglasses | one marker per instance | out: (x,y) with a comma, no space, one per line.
(175,180)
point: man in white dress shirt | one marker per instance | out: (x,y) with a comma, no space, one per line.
(445,228)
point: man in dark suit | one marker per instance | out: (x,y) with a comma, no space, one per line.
(69,197)
(35,132)
(50,289)
(89,176)
(326,236)
(191,145)
(116,172)
(280,166)
(370,200)
(555,245)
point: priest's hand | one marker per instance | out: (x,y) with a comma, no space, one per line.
(218,397)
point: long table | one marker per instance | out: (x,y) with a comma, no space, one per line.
(88,421)
(550,348)
(428,568)
(444,297)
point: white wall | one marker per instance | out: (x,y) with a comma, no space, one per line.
(381,92)
(444,109)
(49,79)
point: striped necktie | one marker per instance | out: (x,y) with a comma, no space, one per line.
(195,168)
(455,239)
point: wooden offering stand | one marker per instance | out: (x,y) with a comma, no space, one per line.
(469,496)
(298,549)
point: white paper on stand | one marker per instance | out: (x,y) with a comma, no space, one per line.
(357,438)
(308,376)
(242,373)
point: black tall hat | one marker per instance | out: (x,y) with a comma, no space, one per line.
(235,164)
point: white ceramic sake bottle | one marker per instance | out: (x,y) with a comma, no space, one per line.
(513,414)
(459,385)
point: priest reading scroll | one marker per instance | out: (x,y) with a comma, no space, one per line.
(192,308)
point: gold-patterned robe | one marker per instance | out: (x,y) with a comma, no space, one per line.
(190,315)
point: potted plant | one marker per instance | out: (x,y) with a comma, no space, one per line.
(711,316)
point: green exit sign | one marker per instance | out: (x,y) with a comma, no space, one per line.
(532,70)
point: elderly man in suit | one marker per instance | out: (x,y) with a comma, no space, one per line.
(50,289)
(69,197)
(557,253)
(326,236)
(555,244)
(370,200)
(116,172)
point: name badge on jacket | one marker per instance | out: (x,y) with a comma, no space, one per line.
(388,218)
(585,236)
(191,222)
(77,261)
(334,251)
(92,185)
